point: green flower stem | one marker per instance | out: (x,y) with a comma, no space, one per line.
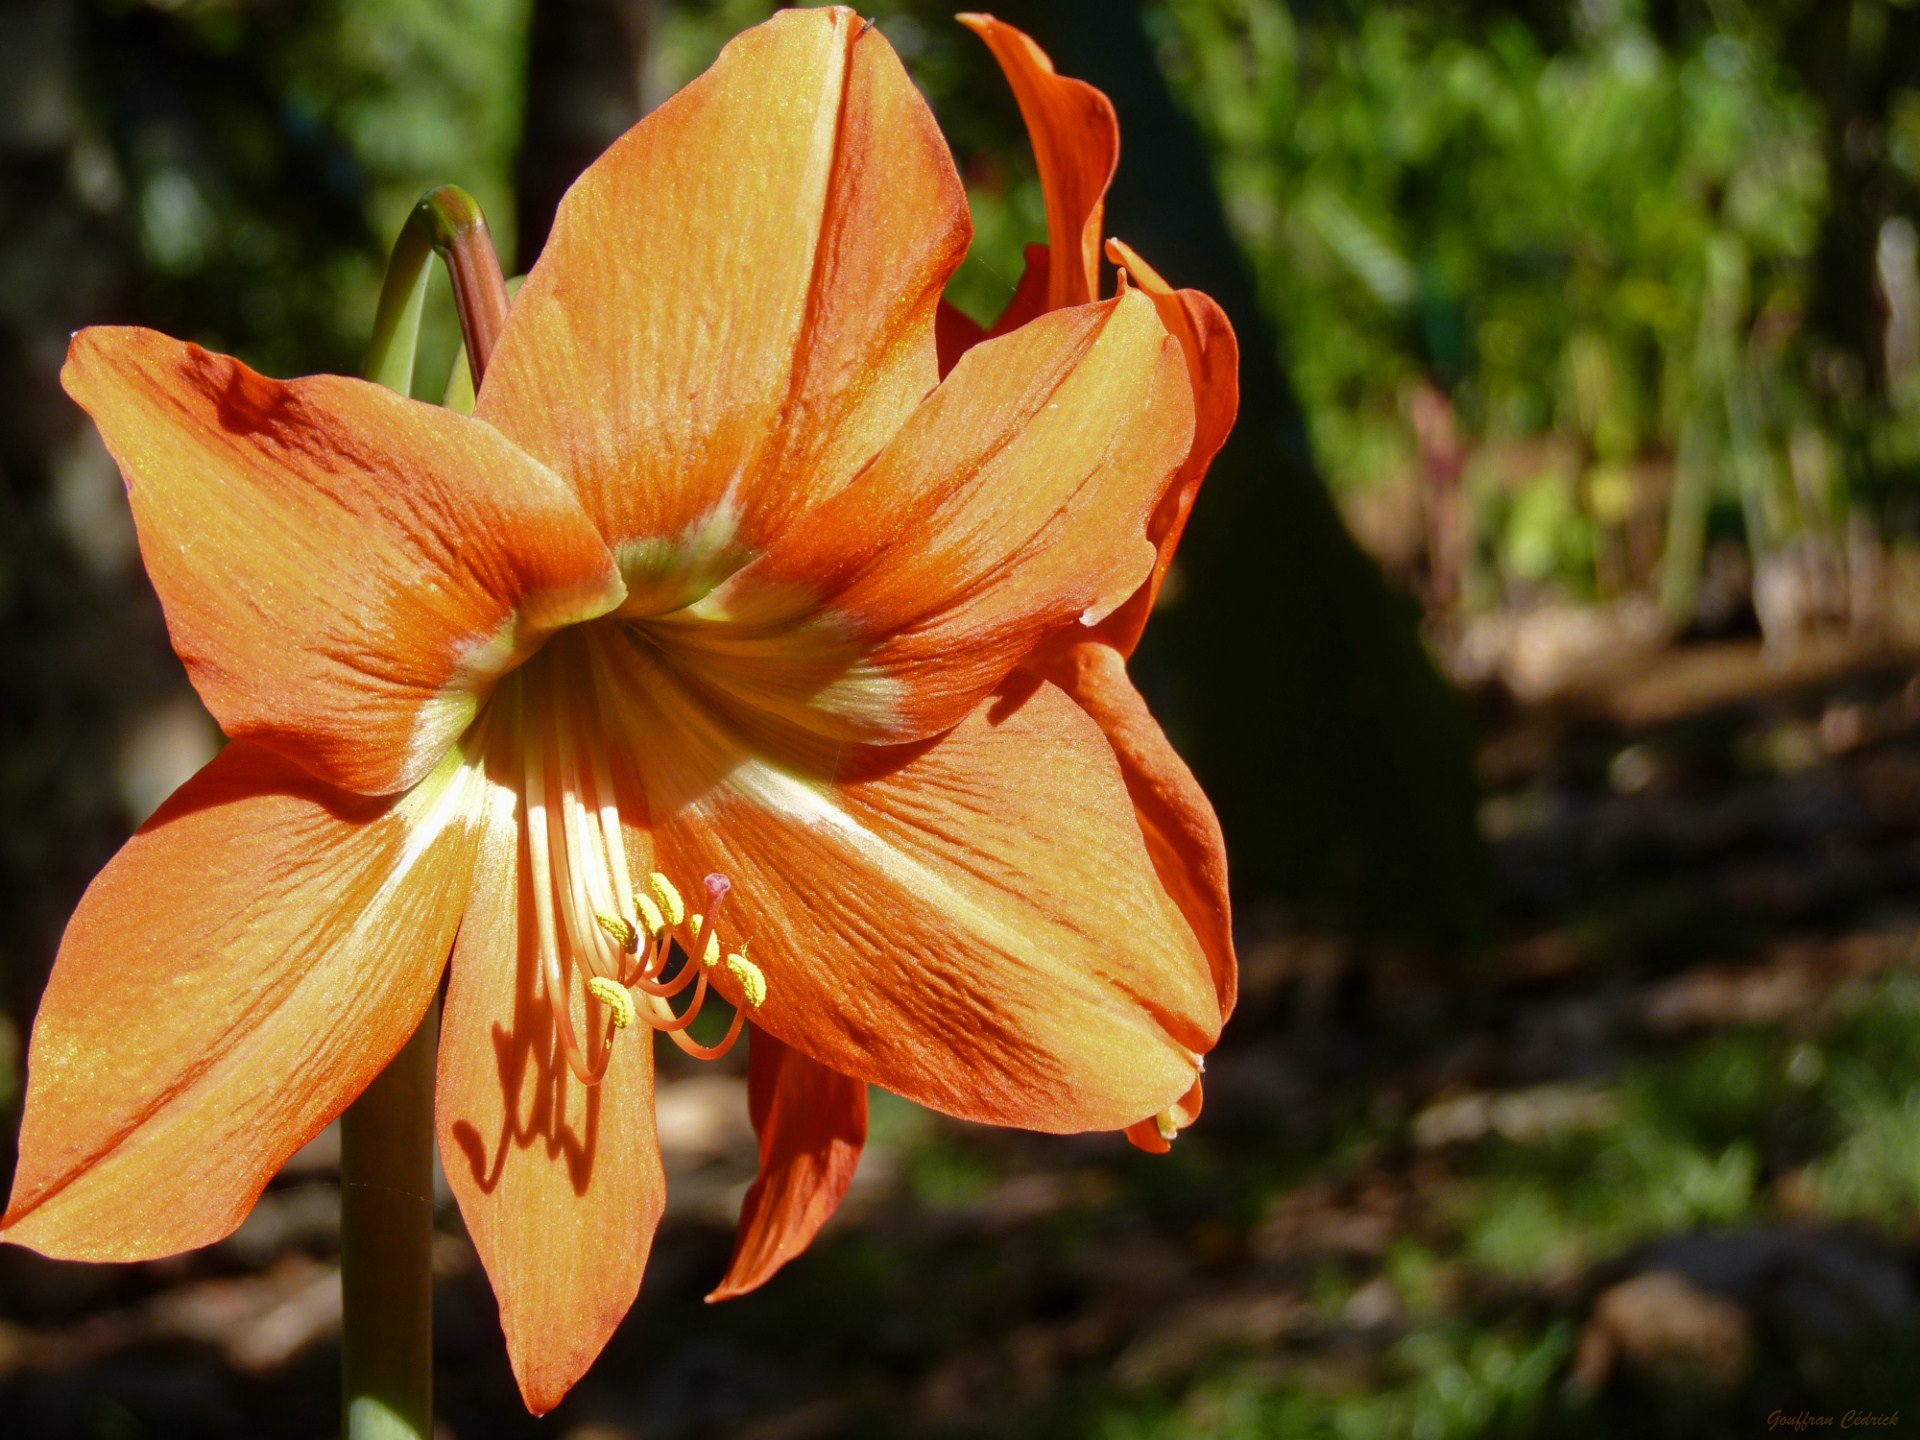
(447,222)
(386,1248)
(386,1136)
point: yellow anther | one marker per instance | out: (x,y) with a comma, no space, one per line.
(622,931)
(1168,1127)
(650,915)
(753,984)
(615,998)
(671,904)
(694,922)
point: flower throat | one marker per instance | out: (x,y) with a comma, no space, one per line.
(594,927)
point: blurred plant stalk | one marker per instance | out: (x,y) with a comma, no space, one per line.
(386,1136)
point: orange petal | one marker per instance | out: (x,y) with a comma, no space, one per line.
(1213,366)
(560,1184)
(1182,834)
(1014,502)
(974,923)
(232,979)
(812,1122)
(1151,1134)
(1076,145)
(343,570)
(736,308)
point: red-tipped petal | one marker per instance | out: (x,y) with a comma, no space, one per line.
(1182,833)
(1014,503)
(736,308)
(344,571)
(812,1123)
(234,977)
(561,1185)
(1156,1134)
(974,923)
(1213,367)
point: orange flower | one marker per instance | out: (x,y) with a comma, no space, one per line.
(1076,141)
(719,626)
(812,1121)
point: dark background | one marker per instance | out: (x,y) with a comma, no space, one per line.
(1545,635)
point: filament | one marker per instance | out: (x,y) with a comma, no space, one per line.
(539,850)
(597,933)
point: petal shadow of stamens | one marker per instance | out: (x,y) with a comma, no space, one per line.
(531,1044)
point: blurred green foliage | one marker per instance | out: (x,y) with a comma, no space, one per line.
(267,155)
(1739,1137)
(1598,234)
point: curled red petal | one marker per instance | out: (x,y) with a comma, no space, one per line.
(1151,1134)
(1076,146)
(1213,367)
(812,1123)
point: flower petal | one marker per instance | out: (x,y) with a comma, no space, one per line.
(1076,145)
(1176,818)
(974,923)
(812,1123)
(1015,502)
(235,976)
(1213,366)
(343,570)
(736,308)
(1152,1134)
(560,1184)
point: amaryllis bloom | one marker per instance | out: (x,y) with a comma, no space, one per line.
(726,649)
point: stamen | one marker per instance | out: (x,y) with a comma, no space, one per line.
(591,922)
(583,875)
(615,998)
(540,854)
(607,799)
(622,931)
(752,982)
(671,904)
(666,989)
(714,1052)
(1168,1127)
(710,953)
(706,942)
(660,1015)
(590,949)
